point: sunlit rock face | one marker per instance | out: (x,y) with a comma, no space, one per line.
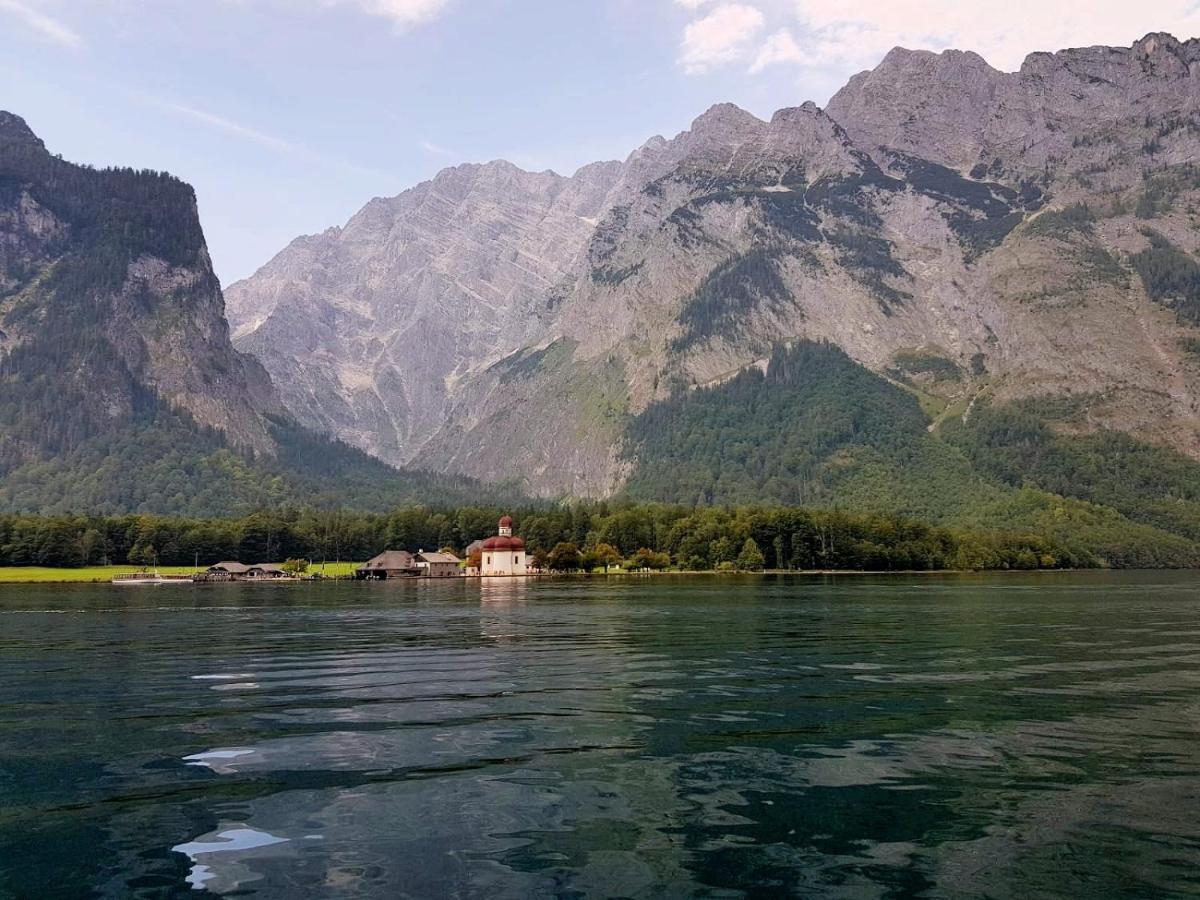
(506,324)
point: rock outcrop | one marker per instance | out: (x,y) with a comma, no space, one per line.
(106,286)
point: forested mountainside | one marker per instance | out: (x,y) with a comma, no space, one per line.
(812,427)
(983,240)
(119,387)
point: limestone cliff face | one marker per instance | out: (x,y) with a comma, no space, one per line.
(108,298)
(970,232)
(374,326)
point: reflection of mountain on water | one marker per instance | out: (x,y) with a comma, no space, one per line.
(223,861)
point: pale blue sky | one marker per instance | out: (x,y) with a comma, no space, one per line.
(288,115)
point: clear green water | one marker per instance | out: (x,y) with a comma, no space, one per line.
(1009,737)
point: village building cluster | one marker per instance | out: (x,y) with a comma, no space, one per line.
(504,554)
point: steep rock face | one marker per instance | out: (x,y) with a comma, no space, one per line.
(952,95)
(970,233)
(369,327)
(107,297)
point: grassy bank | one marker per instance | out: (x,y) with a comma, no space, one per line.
(100,574)
(40,574)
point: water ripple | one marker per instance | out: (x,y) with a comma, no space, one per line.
(965,736)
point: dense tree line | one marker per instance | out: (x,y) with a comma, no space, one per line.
(584,536)
(114,215)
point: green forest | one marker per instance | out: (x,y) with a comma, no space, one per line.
(817,429)
(166,464)
(651,535)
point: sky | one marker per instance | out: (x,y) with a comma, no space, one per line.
(289,115)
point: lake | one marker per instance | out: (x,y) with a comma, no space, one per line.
(1013,736)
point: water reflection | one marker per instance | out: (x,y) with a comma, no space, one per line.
(503,590)
(223,861)
(733,737)
(218,760)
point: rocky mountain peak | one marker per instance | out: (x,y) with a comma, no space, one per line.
(1162,45)
(653,146)
(942,65)
(933,105)
(14,131)
(801,116)
(954,109)
(715,135)
(724,119)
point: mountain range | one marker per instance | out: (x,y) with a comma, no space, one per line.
(977,235)
(955,292)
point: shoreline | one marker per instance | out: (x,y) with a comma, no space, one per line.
(47,576)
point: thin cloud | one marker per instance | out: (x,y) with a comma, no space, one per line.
(220,123)
(253,135)
(436,149)
(46,26)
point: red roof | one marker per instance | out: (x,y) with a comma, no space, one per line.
(506,522)
(504,543)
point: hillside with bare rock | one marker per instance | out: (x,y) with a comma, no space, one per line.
(974,237)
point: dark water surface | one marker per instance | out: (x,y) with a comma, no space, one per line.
(1003,736)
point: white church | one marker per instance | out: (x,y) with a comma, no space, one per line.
(504,554)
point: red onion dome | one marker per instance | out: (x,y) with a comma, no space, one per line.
(500,543)
(517,543)
(506,522)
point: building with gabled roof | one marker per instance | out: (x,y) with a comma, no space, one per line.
(389,564)
(437,565)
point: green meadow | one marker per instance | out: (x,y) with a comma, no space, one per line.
(33,574)
(93,574)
